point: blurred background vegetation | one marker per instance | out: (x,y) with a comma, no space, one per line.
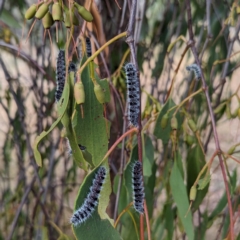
(27,107)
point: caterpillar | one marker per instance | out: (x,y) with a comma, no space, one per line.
(196,69)
(60,75)
(91,201)
(138,188)
(133,94)
(88,47)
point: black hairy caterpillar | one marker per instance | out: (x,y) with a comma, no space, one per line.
(88,47)
(91,201)
(138,188)
(196,69)
(61,74)
(133,93)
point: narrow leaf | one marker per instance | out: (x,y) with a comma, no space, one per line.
(180,196)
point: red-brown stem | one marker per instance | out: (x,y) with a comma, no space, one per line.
(147,220)
(118,141)
(205,89)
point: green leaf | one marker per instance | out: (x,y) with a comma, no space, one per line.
(149,185)
(95,227)
(62,106)
(220,206)
(67,123)
(164,133)
(148,156)
(91,131)
(180,197)
(168,215)
(8,18)
(195,162)
(105,85)
(203,182)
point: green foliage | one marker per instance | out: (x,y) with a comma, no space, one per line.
(94,226)
(42,184)
(181,199)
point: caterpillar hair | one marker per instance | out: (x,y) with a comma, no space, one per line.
(138,188)
(91,201)
(196,69)
(88,47)
(60,75)
(133,94)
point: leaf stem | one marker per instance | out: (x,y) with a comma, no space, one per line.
(132,130)
(124,34)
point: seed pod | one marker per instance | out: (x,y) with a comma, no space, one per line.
(47,21)
(219,108)
(7,34)
(239,113)
(174,123)
(228,111)
(83,12)
(67,21)
(164,120)
(57,12)
(30,13)
(99,93)
(189,140)
(42,11)
(193,193)
(64,133)
(192,125)
(148,110)
(235,113)
(231,150)
(74,19)
(79,93)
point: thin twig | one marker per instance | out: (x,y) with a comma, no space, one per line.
(122,165)
(205,88)
(24,198)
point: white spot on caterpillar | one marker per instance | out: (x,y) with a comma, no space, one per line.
(91,201)
(133,94)
(196,69)
(138,188)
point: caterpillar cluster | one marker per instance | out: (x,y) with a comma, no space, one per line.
(138,188)
(196,69)
(88,47)
(91,201)
(61,73)
(133,94)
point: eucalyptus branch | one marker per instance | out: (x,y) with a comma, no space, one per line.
(131,43)
(205,89)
